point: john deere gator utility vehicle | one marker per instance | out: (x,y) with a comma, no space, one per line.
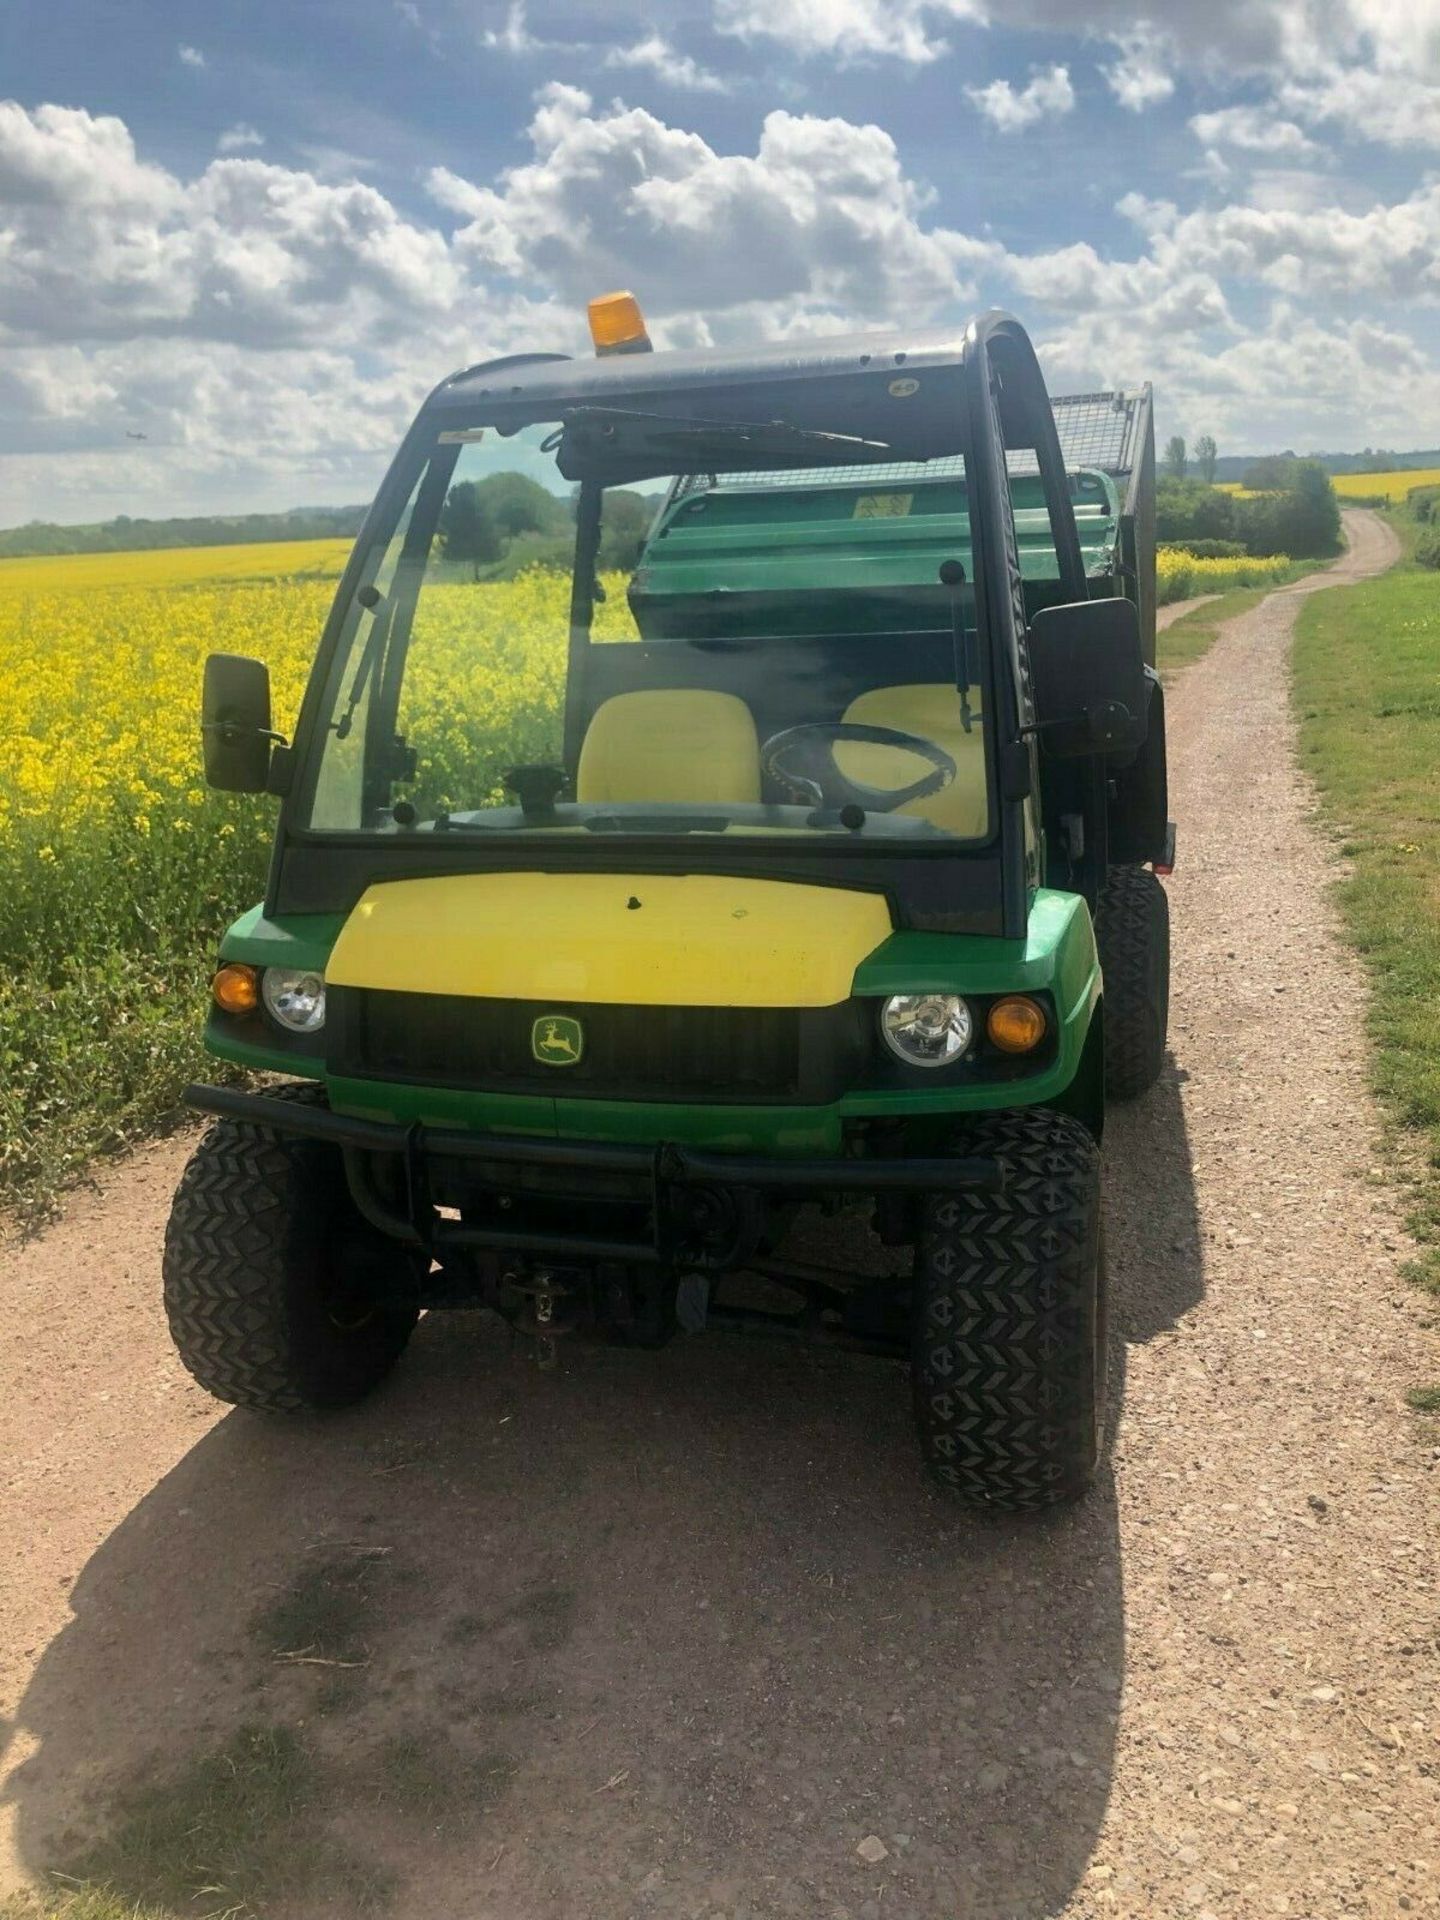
(595,956)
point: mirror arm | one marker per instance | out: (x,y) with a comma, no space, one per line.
(1092,719)
(232,733)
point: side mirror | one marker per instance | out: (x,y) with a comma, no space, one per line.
(235,723)
(1087,674)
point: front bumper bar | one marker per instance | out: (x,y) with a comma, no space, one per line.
(667,1165)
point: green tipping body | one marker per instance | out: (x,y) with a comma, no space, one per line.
(852,555)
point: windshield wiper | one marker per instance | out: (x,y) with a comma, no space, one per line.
(654,823)
(372,600)
(606,437)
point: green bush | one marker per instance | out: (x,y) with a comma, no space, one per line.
(1187,512)
(1427,551)
(1304,521)
(1423,504)
(1216,549)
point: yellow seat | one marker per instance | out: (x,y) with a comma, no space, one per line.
(930,710)
(671,744)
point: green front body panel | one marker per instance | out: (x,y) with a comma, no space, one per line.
(299,940)
(1057,958)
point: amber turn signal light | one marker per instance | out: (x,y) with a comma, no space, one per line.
(1016,1024)
(617,324)
(236,988)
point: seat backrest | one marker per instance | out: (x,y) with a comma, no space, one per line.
(671,744)
(932,711)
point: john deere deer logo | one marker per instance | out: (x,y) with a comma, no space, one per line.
(556,1040)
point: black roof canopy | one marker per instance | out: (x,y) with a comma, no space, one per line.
(875,386)
(900,386)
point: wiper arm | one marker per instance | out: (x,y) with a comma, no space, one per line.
(618,437)
(654,823)
(367,670)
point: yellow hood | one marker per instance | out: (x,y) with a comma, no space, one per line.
(636,940)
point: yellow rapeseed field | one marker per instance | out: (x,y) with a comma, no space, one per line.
(175,567)
(1362,486)
(101,720)
(1181,574)
(119,868)
(1394,486)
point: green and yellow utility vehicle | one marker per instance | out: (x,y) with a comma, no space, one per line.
(822,874)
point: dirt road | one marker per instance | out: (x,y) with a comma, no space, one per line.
(691,1626)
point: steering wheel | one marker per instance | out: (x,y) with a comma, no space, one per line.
(803,760)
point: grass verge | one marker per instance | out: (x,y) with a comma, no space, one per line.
(1367,691)
(232,1834)
(255,1826)
(87,1904)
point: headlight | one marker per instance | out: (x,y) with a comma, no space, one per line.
(295,997)
(927,1029)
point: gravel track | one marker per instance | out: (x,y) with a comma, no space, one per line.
(700,1600)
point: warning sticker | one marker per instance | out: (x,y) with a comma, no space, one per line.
(882,506)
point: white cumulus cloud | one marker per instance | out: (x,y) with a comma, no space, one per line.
(269,328)
(1140,78)
(95,244)
(849,30)
(237,138)
(1046,96)
(1388,253)
(821,215)
(655,55)
(1371,67)
(515,37)
(1394,109)
(1253,129)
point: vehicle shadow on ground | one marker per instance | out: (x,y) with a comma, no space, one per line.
(1152,1220)
(690,1621)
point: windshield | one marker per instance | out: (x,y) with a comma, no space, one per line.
(563,634)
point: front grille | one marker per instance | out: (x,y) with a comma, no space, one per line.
(629,1053)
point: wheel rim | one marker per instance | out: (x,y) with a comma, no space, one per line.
(349,1299)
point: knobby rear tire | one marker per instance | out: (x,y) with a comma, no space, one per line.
(1132,931)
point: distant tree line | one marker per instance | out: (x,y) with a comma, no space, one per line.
(1177,458)
(124,535)
(507,522)
(1233,466)
(1379,460)
(497,526)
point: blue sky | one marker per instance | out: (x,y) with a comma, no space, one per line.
(256,235)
